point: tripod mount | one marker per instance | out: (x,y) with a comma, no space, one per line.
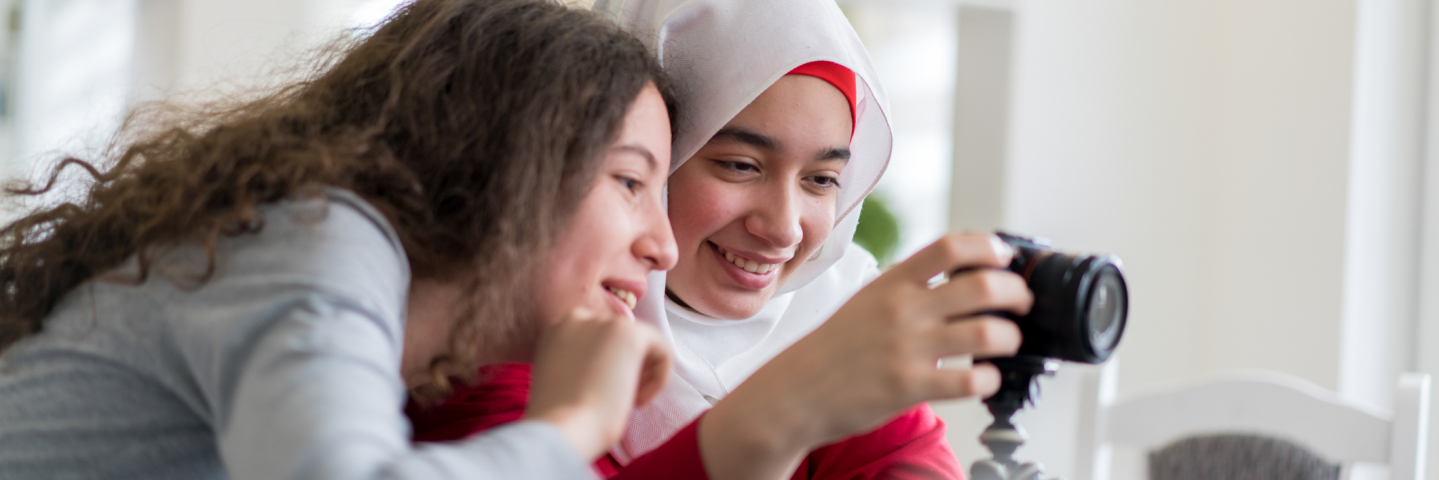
(1018,385)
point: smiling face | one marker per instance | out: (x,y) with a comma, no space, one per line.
(619,231)
(759,198)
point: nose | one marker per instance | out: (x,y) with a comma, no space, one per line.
(656,244)
(775,217)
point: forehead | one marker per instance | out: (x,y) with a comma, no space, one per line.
(646,130)
(798,96)
(797,116)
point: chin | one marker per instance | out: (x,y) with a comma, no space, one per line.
(727,302)
(739,310)
(732,314)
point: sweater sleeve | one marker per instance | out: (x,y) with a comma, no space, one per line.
(308,328)
(910,447)
(317,401)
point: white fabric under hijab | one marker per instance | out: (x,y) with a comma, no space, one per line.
(722,54)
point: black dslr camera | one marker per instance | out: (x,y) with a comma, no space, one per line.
(1081,304)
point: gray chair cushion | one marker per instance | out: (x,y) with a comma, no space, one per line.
(1238,457)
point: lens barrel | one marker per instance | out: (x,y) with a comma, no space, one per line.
(1081,302)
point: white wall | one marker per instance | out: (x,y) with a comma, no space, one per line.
(83,64)
(1255,163)
(73,76)
(233,46)
(1207,144)
(914,51)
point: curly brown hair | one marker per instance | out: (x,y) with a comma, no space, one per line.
(473,126)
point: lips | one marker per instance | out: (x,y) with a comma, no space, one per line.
(624,293)
(748,265)
(625,296)
(746,271)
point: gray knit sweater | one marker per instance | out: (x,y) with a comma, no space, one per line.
(285,365)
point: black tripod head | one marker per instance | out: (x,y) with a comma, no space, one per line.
(1019,385)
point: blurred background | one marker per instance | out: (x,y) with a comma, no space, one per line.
(1267,169)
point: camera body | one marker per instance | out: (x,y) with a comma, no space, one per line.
(1081,302)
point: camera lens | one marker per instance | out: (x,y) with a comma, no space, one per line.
(1108,305)
(1080,303)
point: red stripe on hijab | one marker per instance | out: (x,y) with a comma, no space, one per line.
(834,73)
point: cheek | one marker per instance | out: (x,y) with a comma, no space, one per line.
(575,262)
(600,234)
(570,280)
(698,209)
(550,301)
(817,222)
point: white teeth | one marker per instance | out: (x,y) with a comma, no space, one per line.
(750,265)
(628,296)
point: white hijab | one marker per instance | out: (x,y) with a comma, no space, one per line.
(722,54)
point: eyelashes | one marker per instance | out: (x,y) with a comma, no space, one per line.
(746,169)
(825,182)
(737,167)
(629,183)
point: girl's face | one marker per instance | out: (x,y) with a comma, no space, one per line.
(757,200)
(619,232)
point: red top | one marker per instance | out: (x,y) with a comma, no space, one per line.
(912,446)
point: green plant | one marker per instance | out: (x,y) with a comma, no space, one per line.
(878,230)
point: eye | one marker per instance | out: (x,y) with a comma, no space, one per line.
(737,167)
(630,184)
(824,182)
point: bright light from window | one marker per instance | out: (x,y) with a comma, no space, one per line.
(914,49)
(369,14)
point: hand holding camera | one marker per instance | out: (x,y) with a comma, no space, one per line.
(874,358)
(877,355)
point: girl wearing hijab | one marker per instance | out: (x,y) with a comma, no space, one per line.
(785,134)
(250,294)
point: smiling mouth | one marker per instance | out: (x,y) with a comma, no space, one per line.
(745,264)
(625,296)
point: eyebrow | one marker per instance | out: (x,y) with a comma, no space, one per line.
(641,151)
(841,154)
(764,142)
(754,139)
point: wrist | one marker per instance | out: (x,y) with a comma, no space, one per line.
(766,438)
